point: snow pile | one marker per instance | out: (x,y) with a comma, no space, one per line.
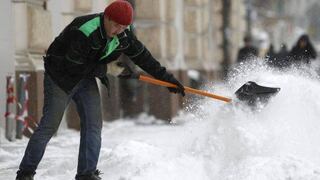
(210,140)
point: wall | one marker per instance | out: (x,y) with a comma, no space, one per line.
(6,52)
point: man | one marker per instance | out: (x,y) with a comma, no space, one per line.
(248,51)
(78,55)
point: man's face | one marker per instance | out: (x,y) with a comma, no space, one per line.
(113,28)
(302,43)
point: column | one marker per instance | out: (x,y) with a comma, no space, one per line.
(156,27)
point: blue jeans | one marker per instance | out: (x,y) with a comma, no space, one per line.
(87,98)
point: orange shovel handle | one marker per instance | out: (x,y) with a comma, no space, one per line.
(186,89)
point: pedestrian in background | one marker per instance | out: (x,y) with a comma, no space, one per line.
(303,52)
(73,61)
(271,56)
(282,57)
(248,51)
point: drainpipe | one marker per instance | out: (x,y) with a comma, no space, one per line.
(226,32)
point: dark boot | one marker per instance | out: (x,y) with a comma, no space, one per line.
(91,176)
(25,175)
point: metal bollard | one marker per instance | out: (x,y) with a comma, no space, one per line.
(23,100)
(10,114)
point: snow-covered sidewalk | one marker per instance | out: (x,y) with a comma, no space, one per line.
(144,151)
(215,141)
(141,148)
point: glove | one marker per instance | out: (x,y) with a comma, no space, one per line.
(115,68)
(128,72)
(179,89)
(122,69)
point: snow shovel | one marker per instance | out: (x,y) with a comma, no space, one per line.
(250,92)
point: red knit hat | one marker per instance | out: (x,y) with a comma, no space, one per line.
(120,11)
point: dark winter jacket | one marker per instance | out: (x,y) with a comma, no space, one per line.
(282,60)
(83,50)
(300,54)
(246,53)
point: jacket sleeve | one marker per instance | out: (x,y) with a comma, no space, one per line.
(141,56)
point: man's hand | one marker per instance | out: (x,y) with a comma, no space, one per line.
(115,68)
(122,69)
(179,89)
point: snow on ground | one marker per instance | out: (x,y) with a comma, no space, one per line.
(209,140)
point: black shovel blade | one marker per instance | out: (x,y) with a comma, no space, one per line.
(252,93)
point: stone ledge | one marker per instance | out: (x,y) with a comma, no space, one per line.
(83,5)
